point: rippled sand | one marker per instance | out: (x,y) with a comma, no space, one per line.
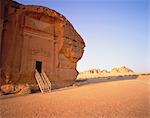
(117,99)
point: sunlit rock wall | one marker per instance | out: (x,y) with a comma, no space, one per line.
(35,33)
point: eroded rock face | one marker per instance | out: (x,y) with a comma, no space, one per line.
(8,88)
(21,89)
(95,73)
(122,70)
(35,37)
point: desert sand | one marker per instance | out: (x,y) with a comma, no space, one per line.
(114,99)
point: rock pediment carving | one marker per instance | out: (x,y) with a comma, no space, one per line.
(38,25)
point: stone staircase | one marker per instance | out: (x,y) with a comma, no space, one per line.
(43,81)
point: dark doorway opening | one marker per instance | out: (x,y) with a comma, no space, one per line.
(39,66)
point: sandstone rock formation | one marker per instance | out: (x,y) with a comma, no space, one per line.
(94,73)
(145,76)
(36,37)
(21,89)
(8,89)
(122,70)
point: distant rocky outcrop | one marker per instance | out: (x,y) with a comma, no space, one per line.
(122,70)
(93,73)
(145,76)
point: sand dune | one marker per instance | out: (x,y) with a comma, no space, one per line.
(117,99)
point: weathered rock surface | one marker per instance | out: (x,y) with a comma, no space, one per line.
(34,88)
(21,89)
(8,89)
(122,70)
(145,76)
(31,34)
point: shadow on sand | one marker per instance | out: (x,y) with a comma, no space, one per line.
(86,81)
(82,82)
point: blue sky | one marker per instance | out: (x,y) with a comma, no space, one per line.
(115,31)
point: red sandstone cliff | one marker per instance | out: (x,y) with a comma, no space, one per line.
(31,34)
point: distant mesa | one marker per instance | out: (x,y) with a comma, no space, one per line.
(122,70)
(102,73)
